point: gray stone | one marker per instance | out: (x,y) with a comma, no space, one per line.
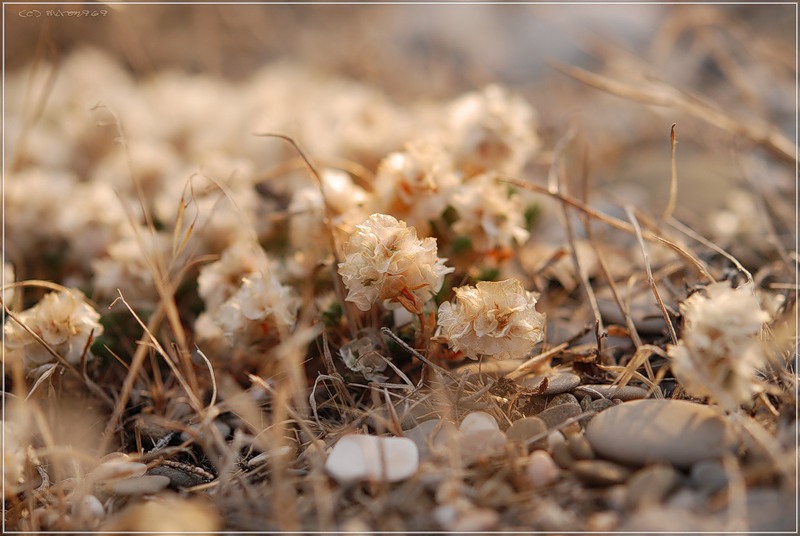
(562,398)
(555,415)
(177,478)
(560,382)
(430,434)
(580,448)
(629,392)
(522,430)
(672,431)
(602,404)
(649,486)
(481,444)
(600,472)
(562,456)
(708,476)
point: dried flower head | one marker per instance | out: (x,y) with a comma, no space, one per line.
(492,131)
(497,319)
(415,184)
(719,351)
(63,320)
(489,215)
(15,440)
(220,280)
(384,260)
(361,356)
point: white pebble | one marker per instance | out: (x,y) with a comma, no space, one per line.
(478,421)
(365,457)
(113,470)
(541,469)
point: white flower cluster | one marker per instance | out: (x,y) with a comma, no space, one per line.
(719,351)
(489,215)
(497,319)
(385,261)
(491,131)
(63,320)
(245,301)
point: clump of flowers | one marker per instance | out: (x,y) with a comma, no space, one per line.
(491,130)
(497,319)
(384,260)
(492,217)
(415,184)
(63,320)
(246,303)
(719,352)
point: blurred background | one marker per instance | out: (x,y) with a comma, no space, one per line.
(736,63)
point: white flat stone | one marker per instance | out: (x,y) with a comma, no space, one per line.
(365,457)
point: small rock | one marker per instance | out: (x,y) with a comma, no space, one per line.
(585,401)
(142,485)
(601,404)
(364,457)
(555,438)
(541,469)
(116,469)
(562,456)
(556,415)
(629,392)
(560,382)
(534,406)
(478,421)
(649,486)
(673,431)
(177,479)
(89,510)
(524,429)
(562,398)
(481,444)
(708,476)
(430,434)
(580,448)
(600,473)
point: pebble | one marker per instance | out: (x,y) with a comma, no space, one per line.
(478,421)
(555,415)
(377,458)
(483,444)
(769,510)
(541,470)
(177,479)
(672,431)
(535,405)
(708,476)
(562,398)
(600,405)
(580,448)
(430,434)
(649,486)
(523,429)
(116,469)
(562,456)
(560,382)
(555,438)
(627,393)
(600,472)
(142,485)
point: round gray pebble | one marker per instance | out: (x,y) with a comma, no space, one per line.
(140,485)
(650,485)
(560,382)
(629,392)
(672,431)
(522,430)
(600,472)
(562,398)
(555,415)
(562,456)
(580,448)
